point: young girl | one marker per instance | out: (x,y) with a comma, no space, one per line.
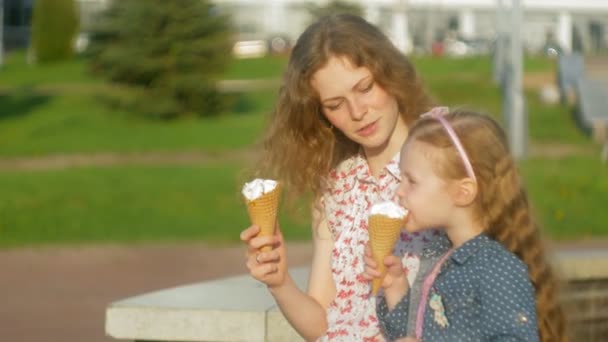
(493,283)
(342,115)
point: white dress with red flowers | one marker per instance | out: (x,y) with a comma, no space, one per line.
(351,315)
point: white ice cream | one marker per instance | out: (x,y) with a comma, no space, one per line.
(389,209)
(258,187)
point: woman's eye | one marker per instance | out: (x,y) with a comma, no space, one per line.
(368,87)
(334,106)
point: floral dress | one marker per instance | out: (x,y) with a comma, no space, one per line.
(351,315)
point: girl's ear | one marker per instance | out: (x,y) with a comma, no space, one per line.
(464,192)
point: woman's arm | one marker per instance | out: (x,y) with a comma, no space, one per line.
(306,312)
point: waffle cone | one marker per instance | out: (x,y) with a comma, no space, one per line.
(263,213)
(383,234)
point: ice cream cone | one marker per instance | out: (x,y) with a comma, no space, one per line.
(383,234)
(263,212)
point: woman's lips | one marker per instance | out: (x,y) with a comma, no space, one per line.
(368,130)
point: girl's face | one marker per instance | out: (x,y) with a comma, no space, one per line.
(355,104)
(422,191)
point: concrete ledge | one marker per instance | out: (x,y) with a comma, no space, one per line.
(582,264)
(232,309)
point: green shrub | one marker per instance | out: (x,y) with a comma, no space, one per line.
(333,7)
(171,51)
(54,27)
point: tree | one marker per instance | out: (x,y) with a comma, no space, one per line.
(54,27)
(170,51)
(334,7)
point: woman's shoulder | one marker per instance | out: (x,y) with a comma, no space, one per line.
(342,177)
(347,167)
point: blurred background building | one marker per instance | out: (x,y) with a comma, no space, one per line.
(454,27)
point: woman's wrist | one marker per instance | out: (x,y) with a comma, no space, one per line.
(276,289)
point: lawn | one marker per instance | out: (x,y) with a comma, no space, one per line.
(137,203)
(41,125)
(54,110)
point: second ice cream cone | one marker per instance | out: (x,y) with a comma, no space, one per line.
(383,234)
(263,213)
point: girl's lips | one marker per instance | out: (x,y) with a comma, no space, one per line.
(368,130)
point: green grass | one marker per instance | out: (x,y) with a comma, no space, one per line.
(257,68)
(39,125)
(125,204)
(17,73)
(569,195)
(54,108)
(147,203)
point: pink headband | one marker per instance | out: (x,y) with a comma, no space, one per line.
(437,113)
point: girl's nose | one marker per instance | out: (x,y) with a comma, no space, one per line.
(401,191)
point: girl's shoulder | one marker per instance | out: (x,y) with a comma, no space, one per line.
(495,255)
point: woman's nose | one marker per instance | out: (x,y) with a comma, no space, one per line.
(358,109)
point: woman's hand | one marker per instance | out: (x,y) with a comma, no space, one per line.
(268,267)
(407,339)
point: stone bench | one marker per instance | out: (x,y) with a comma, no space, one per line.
(232,309)
(241,309)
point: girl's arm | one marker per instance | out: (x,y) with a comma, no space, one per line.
(508,305)
(392,308)
(306,312)
(395,282)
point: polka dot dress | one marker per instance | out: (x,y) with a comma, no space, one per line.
(482,293)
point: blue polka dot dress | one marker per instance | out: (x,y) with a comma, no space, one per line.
(482,293)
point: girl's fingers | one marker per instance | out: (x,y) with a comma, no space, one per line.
(391,261)
(370,273)
(369,261)
(368,250)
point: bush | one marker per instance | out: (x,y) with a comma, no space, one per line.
(54,27)
(172,51)
(333,7)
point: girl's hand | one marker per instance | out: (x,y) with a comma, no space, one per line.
(394,268)
(407,339)
(395,280)
(268,267)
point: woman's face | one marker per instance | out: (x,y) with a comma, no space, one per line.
(422,191)
(355,104)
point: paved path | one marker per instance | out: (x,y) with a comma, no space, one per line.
(59,294)
(67,161)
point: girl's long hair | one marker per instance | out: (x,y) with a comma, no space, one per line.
(300,147)
(501,204)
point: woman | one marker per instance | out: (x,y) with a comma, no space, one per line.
(342,115)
